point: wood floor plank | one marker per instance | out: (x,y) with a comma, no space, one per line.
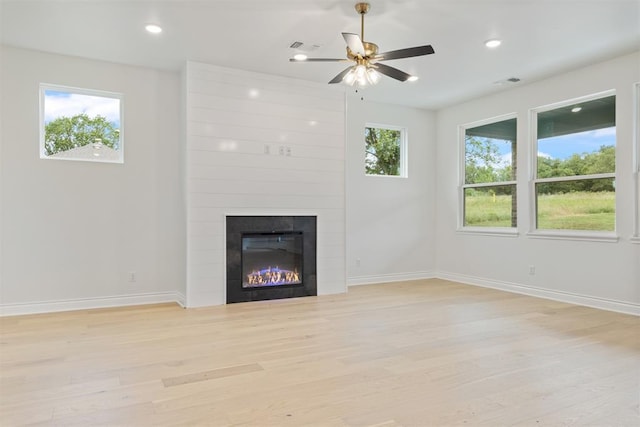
(426,352)
(211,375)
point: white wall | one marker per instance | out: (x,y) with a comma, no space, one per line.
(390,220)
(72,231)
(603,274)
(233,116)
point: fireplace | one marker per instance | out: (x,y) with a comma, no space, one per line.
(270,257)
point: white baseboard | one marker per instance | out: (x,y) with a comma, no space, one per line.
(91,303)
(179,298)
(384,278)
(571,298)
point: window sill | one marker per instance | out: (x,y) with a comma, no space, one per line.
(606,237)
(384,176)
(495,232)
(635,239)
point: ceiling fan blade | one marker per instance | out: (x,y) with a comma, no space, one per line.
(319,60)
(354,42)
(405,53)
(339,77)
(392,72)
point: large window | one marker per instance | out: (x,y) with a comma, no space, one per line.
(385,150)
(574,182)
(80,124)
(489,197)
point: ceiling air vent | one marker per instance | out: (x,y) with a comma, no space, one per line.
(304,47)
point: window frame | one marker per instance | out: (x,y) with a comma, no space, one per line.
(404,147)
(563,234)
(80,91)
(462,149)
(635,238)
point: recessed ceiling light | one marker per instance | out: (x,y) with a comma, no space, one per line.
(153,28)
(576,109)
(300,57)
(412,78)
(493,43)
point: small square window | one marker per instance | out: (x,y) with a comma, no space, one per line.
(385,150)
(80,124)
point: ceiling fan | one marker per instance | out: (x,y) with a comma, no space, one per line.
(367,68)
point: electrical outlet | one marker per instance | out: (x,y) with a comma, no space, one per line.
(532,270)
(357,262)
(132,276)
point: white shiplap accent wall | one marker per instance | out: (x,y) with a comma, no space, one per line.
(233,117)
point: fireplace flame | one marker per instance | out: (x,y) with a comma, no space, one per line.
(273,277)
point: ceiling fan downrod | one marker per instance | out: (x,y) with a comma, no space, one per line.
(362,9)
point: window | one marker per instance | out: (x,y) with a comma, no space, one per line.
(489,196)
(574,182)
(385,148)
(80,124)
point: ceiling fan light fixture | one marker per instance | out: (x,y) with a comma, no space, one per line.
(373,76)
(361,76)
(350,78)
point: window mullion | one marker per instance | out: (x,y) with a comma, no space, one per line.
(575,177)
(490,184)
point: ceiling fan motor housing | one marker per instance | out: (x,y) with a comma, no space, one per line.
(370,49)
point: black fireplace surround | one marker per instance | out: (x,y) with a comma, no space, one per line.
(252,226)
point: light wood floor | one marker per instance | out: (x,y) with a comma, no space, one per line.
(421,353)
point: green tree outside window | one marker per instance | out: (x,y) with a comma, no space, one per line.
(383,151)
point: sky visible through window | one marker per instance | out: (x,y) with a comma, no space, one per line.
(64,104)
(563,147)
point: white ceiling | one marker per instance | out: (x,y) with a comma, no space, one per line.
(540,37)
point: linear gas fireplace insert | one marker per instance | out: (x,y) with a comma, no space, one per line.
(270,257)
